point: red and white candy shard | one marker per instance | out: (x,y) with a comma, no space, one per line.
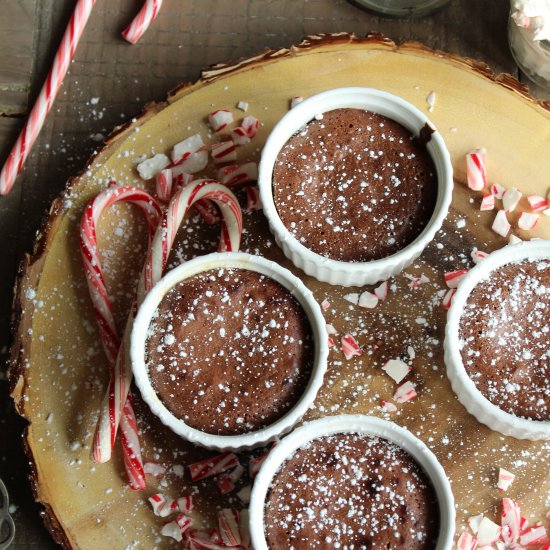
(154,469)
(466,542)
(350,346)
(239,137)
(368,300)
(382,291)
(538,203)
(250,125)
(325,304)
(184,149)
(213,466)
(501,226)
(487,202)
(396,369)
(229,526)
(253,200)
(184,522)
(505,479)
(474,522)
(242,105)
(475,169)
(498,190)
(331,329)
(220,119)
(411,352)
(404,393)
(225,484)
(172,530)
(514,239)
(196,162)
(388,406)
(510,199)
(510,520)
(162,505)
(185,504)
(330,342)
(236,174)
(478,255)
(533,536)
(149,168)
(225,151)
(528,220)
(453,278)
(488,532)
(296,100)
(353,298)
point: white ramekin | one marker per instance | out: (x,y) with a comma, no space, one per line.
(391,106)
(463,386)
(216,261)
(367,425)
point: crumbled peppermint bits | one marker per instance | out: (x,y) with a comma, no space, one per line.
(243,106)
(396,369)
(497,191)
(184,149)
(368,300)
(487,202)
(505,479)
(488,532)
(236,174)
(350,347)
(510,199)
(154,469)
(220,119)
(225,151)
(466,542)
(478,255)
(381,291)
(538,203)
(453,278)
(475,169)
(448,298)
(404,393)
(527,220)
(295,101)
(213,466)
(501,226)
(150,167)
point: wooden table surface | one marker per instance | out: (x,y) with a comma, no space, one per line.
(109,82)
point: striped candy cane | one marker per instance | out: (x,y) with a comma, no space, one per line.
(142,20)
(45,100)
(103,309)
(155,264)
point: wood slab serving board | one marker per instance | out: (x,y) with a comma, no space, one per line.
(58,371)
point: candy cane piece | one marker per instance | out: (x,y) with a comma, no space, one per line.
(368,300)
(44,102)
(229,526)
(497,191)
(478,255)
(352,298)
(103,310)
(388,406)
(235,174)
(474,522)
(242,105)
(396,369)
(296,100)
(447,299)
(453,278)
(225,151)
(466,542)
(501,226)
(405,392)
(213,466)
(220,119)
(505,479)
(184,149)
(350,347)
(488,532)
(534,535)
(538,203)
(475,169)
(511,198)
(150,167)
(510,518)
(382,291)
(141,21)
(527,220)
(253,201)
(155,264)
(185,504)
(250,125)
(487,202)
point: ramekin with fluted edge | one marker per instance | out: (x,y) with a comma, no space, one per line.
(475,402)
(383,103)
(369,426)
(237,260)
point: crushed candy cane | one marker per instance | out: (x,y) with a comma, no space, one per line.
(488,532)
(154,469)
(475,169)
(381,291)
(236,174)
(501,226)
(538,203)
(225,151)
(388,406)
(213,466)
(350,346)
(453,278)
(505,479)
(220,119)
(510,199)
(404,393)
(184,149)
(497,191)
(242,106)
(396,369)
(150,167)
(296,101)
(478,256)
(528,220)
(487,203)
(368,300)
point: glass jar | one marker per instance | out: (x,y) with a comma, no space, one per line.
(401,8)
(532,56)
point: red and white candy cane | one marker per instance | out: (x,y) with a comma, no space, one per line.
(45,100)
(104,312)
(155,264)
(142,20)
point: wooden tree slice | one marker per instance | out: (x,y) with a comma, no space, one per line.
(58,370)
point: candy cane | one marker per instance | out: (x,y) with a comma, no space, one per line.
(45,100)
(103,309)
(155,264)
(142,20)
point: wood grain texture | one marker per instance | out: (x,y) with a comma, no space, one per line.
(90,505)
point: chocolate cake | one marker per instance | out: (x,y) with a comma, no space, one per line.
(351,491)
(505,338)
(229,351)
(354,185)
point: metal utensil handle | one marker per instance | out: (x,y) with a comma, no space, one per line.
(7,526)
